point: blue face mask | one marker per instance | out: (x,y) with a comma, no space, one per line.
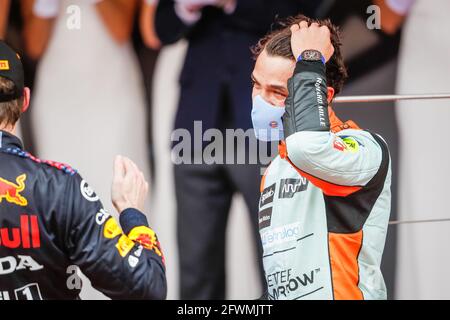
(267,121)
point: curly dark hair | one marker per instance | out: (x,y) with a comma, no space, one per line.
(278,43)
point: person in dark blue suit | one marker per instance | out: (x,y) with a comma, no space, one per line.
(216,90)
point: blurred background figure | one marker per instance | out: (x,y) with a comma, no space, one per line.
(89,96)
(215,88)
(147,47)
(11,28)
(147,24)
(423,254)
(4,15)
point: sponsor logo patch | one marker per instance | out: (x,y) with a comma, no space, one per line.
(147,238)
(133,261)
(284,282)
(267,195)
(280,235)
(273,124)
(289,187)
(339,145)
(101,217)
(351,144)
(111,229)
(26,236)
(4,65)
(124,245)
(9,265)
(10,191)
(29,292)
(265,218)
(87,192)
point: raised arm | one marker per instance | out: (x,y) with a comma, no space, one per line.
(339,164)
(122,262)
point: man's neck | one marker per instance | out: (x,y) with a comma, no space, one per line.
(8,129)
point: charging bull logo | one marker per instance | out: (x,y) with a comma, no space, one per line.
(10,191)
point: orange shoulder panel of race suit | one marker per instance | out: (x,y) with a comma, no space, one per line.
(344,252)
(337,125)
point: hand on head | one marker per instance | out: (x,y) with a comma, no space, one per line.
(311,37)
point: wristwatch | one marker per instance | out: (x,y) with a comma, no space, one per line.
(311,55)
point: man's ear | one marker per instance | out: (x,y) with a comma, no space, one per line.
(26,99)
(330,94)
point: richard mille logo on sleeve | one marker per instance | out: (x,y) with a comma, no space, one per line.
(289,187)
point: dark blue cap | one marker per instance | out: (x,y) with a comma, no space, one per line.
(11,68)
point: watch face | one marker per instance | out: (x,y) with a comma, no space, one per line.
(311,55)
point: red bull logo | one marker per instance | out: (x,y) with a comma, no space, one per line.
(10,191)
(26,236)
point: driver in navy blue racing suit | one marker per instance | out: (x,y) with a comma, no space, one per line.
(51,221)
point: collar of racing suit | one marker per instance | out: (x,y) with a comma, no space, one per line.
(337,124)
(9,141)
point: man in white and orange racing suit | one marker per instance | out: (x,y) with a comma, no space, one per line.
(325,200)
